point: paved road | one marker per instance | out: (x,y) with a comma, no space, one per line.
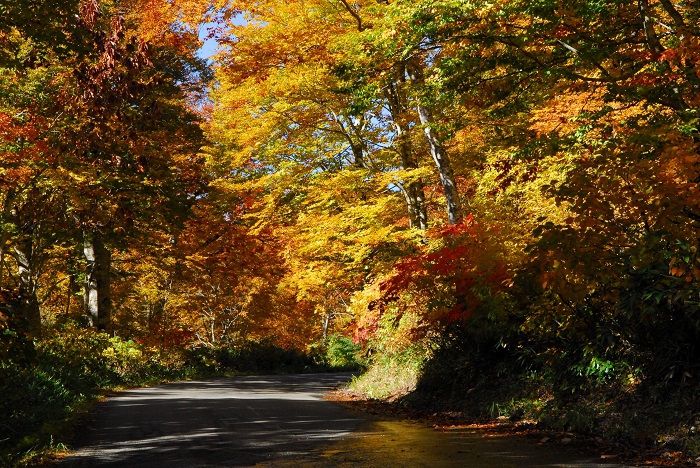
(280,421)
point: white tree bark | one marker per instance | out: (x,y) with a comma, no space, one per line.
(28,303)
(437,150)
(97,288)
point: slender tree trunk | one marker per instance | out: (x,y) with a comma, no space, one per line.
(212,331)
(437,150)
(4,232)
(413,191)
(326,321)
(454,206)
(28,304)
(97,298)
(69,294)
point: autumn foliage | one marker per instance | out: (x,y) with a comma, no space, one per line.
(455,271)
(524,172)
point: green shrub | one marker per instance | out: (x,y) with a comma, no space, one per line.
(30,397)
(342,353)
(65,371)
(58,377)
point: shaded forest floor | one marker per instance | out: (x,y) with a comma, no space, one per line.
(650,420)
(538,433)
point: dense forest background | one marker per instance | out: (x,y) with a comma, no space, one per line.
(492,206)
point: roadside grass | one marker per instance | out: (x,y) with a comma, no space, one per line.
(48,387)
(390,375)
(387,379)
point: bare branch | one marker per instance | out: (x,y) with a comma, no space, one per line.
(649,31)
(675,15)
(360,26)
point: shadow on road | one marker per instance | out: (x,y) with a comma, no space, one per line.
(222,422)
(279,421)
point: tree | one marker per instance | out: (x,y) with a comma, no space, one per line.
(131,101)
(33,207)
(97,103)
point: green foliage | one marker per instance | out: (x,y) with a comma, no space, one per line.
(249,357)
(342,353)
(69,370)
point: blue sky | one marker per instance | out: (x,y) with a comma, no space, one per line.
(209,47)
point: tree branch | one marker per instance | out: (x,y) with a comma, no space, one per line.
(649,31)
(675,15)
(360,26)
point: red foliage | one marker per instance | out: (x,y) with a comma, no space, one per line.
(166,337)
(456,276)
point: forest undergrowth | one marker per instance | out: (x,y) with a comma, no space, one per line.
(49,386)
(466,381)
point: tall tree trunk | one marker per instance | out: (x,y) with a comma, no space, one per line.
(437,150)
(4,232)
(97,298)
(28,304)
(325,321)
(413,191)
(69,294)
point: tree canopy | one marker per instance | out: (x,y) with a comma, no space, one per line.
(386,170)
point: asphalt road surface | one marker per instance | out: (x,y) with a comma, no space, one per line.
(282,421)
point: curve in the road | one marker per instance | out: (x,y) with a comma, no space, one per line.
(280,421)
(221,422)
